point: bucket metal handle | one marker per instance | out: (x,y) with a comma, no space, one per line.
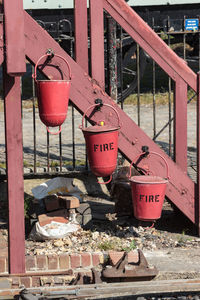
(50,55)
(109,180)
(155,153)
(96,105)
(55,133)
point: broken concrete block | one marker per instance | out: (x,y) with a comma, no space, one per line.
(84,208)
(60,216)
(69,202)
(51,202)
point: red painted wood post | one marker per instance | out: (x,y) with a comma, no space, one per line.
(97,42)
(81,33)
(180,124)
(14,37)
(197,198)
(14,155)
(15,66)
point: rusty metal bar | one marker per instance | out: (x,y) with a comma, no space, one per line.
(180,124)
(60,147)
(111,57)
(97,42)
(34,125)
(15,43)
(48,153)
(14,155)
(120,98)
(138,83)
(146,289)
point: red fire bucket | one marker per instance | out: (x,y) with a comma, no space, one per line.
(148,194)
(101,145)
(53,98)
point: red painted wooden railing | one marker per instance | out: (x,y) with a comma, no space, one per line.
(84,90)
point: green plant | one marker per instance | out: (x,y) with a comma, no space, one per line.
(131,247)
(26,164)
(107,245)
(3,164)
(27,203)
(54,163)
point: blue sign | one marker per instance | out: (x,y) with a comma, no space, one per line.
(192,24)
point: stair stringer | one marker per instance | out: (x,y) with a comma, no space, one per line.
(84,91)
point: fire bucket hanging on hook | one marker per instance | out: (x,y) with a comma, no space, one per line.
(148,193)
(53,97)
(101,145)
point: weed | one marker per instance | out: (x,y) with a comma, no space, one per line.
(27,203)
(54,163)
(131,247)
(3,164)
(107,245)
(26,164)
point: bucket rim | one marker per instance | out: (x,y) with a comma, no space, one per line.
(91,129)
(148,179)
(54,80)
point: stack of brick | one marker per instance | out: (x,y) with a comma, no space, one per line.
(64,209)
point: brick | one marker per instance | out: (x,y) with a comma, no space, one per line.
(69,202)
(15,282)
(95,259)
(35,281)
(64,262)
(25,282)
(2,264)
(75,261)
(115,256)
(85,260)
(41,262)
(51,202)
(133,257)
(57,216)
(30,263)
(52,262)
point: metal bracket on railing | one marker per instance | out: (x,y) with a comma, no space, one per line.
(145,150)
(50,52)
(100,102)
